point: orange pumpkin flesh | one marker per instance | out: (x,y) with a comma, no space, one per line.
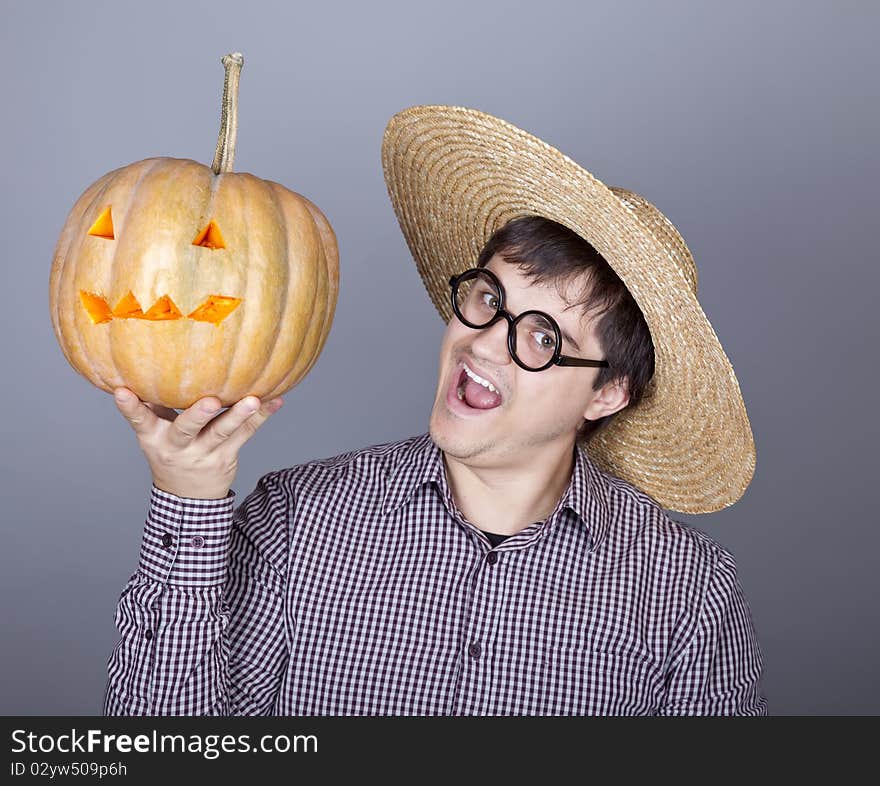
(103,226)
(128,307)
(215,309)
(224,284)
(210,237)
(97,307)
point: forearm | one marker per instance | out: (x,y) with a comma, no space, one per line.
(172,654)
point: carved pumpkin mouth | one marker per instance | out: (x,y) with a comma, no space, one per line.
(214,309)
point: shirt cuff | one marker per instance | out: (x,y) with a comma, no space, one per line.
(186,540)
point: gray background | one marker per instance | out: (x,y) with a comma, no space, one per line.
(753,126)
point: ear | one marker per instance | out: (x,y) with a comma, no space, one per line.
(613,397)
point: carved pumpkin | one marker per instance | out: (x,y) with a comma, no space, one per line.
(179,280)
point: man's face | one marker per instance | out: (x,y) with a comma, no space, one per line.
(538,411)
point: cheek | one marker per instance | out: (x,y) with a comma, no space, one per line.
(559,399)
(447,344)
(453,336)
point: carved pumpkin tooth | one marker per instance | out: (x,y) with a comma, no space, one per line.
(128,307)
(215,309)
(163,308)
(96,307)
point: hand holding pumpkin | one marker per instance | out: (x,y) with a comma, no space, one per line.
(194,453)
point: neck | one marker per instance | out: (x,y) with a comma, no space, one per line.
(506,499)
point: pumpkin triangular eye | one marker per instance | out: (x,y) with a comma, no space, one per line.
(103,226)
(210,237)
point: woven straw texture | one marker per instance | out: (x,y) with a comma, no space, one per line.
(455,175)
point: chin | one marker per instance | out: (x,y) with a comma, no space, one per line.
(449,435)
(443,432)
(459,439)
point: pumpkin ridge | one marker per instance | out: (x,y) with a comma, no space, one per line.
(267,189)
(331,289)
(279,207)
(244,251)
(331,259)
(149,167)
(304,362)
(313,333)
(188,261)
(295,373)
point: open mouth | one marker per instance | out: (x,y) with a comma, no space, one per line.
(474,391)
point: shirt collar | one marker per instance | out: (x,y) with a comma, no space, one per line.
(421,462)
(587,497)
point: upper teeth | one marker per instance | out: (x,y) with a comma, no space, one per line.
(484,382)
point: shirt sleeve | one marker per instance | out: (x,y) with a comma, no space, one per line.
(201,621)
(719,672)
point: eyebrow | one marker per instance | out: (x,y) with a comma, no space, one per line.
(568,338)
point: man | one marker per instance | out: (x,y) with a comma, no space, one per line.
(492,565)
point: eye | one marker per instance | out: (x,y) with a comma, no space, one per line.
(545,341)
(210,237)
(103,226)
(492,301)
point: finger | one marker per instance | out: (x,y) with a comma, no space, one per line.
(189,423)
(229,423)
(247,429)
(139,416)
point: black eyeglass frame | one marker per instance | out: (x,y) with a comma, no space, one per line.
(558,358)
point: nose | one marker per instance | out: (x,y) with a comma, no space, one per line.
(490,344)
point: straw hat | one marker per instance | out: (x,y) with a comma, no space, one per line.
(455,175)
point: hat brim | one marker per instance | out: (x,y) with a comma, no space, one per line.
(455,175)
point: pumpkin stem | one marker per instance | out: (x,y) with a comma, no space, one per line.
(225,153)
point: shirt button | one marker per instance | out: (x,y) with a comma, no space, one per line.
(492,557)
(474,650)
(197,542)
(167,540)
(148,635)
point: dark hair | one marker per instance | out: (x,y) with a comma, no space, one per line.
(549,251)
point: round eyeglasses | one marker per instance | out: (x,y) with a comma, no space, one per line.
(534,339)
